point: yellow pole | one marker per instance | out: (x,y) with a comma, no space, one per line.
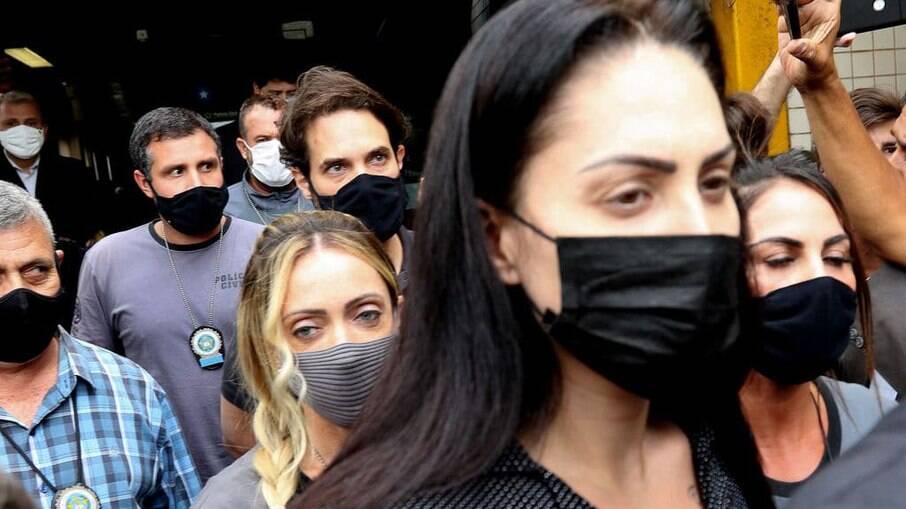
(748,36)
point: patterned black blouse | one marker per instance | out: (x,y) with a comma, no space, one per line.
(516,481)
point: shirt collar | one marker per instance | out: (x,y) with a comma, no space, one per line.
(20,170)
(73,363)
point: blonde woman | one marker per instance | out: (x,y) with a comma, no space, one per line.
(316,319)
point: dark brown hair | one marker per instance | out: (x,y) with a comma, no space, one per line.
(324,90)
(749,123)
(876,106)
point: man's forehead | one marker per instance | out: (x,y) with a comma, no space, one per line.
(25,242)
(261,117)
(20,110)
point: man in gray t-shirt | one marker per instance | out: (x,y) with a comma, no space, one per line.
(165,293)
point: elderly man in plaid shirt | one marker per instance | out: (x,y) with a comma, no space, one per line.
(79,425)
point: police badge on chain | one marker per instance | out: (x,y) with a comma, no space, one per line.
(207,345)
(77,496)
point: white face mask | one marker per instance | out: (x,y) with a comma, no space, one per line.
(266,165)
(22,141)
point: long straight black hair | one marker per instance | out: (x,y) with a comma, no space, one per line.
(473,368)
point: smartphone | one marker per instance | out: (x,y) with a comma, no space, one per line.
(791,13)
(866,15)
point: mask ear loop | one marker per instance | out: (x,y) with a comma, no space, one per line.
(251,156)
(530,226)
(548,317)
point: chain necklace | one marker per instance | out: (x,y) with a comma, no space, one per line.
(248,198)
(206,341)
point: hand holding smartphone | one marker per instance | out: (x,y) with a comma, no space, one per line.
(791,13)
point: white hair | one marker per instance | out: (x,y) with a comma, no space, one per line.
(18,207)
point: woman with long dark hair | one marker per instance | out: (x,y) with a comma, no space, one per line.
(572,323)
(810,283)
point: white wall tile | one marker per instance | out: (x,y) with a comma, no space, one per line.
(887,82)
(901,84)
(799,121)
(864,42)
(868,82)
(842,50)
(845,64)
(884,38)
(900,57)
(794,100)
(863,64)
(885,63)
(899,36)
(801,141)
(848,83)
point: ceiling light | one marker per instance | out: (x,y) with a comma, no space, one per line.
(28,57)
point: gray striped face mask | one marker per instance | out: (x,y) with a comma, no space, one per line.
(340,379)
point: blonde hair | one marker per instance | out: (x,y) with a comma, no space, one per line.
(265,359)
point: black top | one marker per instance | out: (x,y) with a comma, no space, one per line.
(516,481)
(834,441)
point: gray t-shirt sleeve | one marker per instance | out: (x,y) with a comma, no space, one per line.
(91,321)
(234,486)
(860,410)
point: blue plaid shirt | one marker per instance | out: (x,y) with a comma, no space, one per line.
(133,453)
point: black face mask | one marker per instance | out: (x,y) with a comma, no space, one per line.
(804,329)
(658,316)
(378,201)
(29,321)
(194,212)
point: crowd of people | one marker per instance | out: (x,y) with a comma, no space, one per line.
(612,295)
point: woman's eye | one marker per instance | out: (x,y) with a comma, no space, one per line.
(715,184)
(305,331)
(632,198)
(369,316)
(779,262)
(838,260)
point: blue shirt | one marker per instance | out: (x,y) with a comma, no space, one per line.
(133,453)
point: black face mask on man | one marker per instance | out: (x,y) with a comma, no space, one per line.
(658,316)
(194,212)
(378,201)
(804,329)
(29,321)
